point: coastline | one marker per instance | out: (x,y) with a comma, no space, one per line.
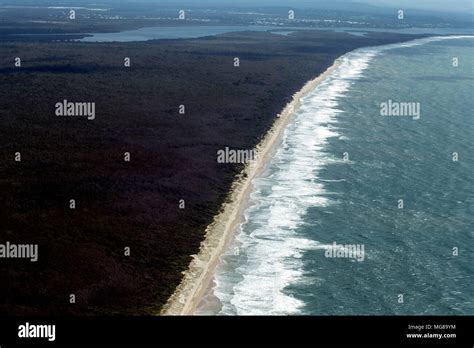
(198,277)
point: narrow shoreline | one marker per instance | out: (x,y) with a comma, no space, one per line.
(198,277)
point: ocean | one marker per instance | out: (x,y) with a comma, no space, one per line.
(396,186)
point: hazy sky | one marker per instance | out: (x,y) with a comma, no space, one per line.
(443,5)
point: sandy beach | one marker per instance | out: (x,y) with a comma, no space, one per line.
(198,278)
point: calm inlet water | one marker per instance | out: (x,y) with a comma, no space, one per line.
(176,32)
(196,31)
(339,176)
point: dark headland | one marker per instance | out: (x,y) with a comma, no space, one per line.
(133,204)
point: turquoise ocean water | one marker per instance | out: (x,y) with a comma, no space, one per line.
(341,174)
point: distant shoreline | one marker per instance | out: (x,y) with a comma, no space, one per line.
(183,32)
(198,277)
